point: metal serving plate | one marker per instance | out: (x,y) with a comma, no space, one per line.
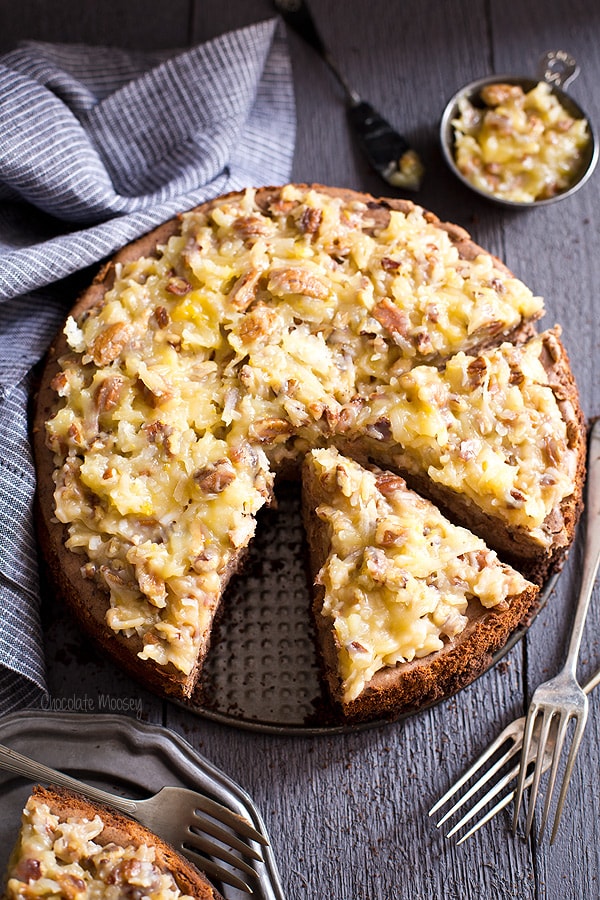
(262,672)
(94,748)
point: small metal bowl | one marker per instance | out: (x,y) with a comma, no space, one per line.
(558,69)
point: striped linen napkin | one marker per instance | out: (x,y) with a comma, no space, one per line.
(97,146)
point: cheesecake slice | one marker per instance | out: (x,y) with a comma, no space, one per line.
(71,847)
(408,607)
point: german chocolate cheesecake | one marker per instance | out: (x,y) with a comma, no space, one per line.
(215,353)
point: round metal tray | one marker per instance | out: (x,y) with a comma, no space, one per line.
(262,672)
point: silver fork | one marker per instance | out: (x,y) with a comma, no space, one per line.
(562,697)
(510,742)
(182,817)
(541,738)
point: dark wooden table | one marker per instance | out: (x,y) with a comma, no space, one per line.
(348,813)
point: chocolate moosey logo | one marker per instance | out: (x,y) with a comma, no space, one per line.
(103,703)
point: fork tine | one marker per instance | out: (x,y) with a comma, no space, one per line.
(525,750)
(500,805)
(503,802)
(581,720)
(483,801)
(213,870)
(558,746)
(475,788)
(201,844)
(227,817)
(493,747)
(226,837)
(547,717)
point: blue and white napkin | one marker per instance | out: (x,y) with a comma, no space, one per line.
(97,146)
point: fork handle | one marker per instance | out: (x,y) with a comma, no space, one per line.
(591,556)
(22,765)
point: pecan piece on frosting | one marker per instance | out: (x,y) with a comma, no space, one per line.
(28,869)
(178,286)
(270,430)
(296,280)
(310,220)
(388,483)
(258,323)
(107,396)
(244,290)
(381,430)
(554,449)
(395,320)
(495,94)
(110,342)
(71,886)
(248,227)
(162,317)
(215,478)
(476,371)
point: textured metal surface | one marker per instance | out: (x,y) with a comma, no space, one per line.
(262,671)
(96,747)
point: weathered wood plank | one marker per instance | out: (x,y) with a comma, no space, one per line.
(550,248)
(136,24)
(81,679)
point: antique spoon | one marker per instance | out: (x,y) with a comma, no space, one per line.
(388,152)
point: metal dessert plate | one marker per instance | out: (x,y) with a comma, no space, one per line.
(262,671)
(126,757)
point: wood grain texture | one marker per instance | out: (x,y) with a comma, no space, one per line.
(136,25)
(348,813)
